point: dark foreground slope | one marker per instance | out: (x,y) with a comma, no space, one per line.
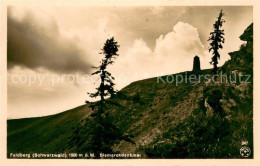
(153,104)
(198,119)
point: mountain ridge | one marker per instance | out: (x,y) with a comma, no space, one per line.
(165,120)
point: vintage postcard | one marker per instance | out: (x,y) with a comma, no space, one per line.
(129,83)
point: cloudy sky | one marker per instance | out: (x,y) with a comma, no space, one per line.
(51,49)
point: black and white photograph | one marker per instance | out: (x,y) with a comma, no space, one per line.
(129,82)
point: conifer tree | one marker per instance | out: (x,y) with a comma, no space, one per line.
(98,134)
(106,87)
(216,39)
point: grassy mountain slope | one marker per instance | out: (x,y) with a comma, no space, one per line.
(152,102)
(191,120)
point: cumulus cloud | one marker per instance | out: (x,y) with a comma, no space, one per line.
(33,43)
(176,49)
(183,39)
(173,53)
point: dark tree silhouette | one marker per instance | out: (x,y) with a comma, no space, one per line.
(216,39)
(98,134)
(106,87)
(196,65)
